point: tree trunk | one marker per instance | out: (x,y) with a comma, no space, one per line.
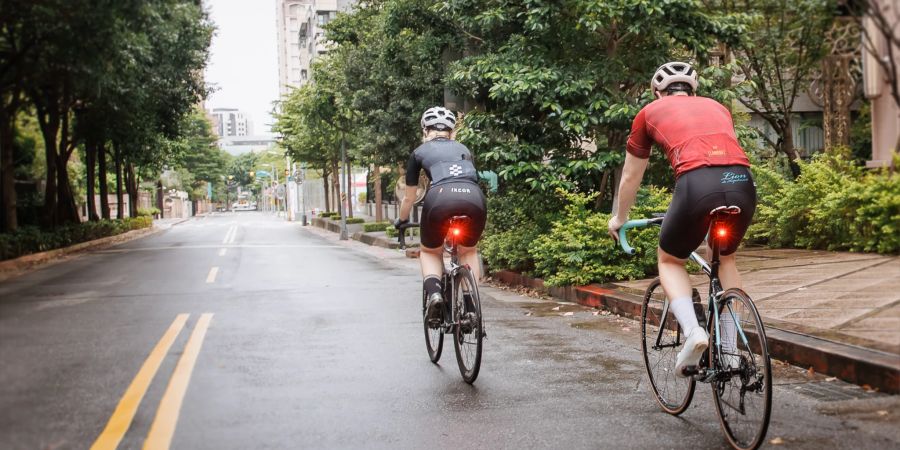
(132,190)
(379,214)
(49,123)
(325,184)
(787,146)
(103,170)
(336,186)
(604,181)
(67,209)
(7,169)
(120,200)
(159,198)
(90,150)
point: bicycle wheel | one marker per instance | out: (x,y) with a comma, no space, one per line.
(743,391)
(660,349)
(469,331)
(434,334)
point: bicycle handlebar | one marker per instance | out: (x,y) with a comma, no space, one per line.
(640,223)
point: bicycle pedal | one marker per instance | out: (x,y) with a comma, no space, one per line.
(689,371)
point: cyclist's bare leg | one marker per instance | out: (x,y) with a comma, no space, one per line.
(677,284)
(673,275)
(469,255)
(728,273)
(432,262)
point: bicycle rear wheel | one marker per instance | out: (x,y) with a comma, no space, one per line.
(469,331)
(743,393)
(434,333)
(660,350)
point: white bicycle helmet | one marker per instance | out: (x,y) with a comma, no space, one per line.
(674,72)
(438,118)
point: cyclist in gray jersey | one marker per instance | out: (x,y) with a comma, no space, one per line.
(454,191)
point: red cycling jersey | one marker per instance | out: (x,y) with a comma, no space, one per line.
(693,131)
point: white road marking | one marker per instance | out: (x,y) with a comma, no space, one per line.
(211,278)
(222,251)
(229,236)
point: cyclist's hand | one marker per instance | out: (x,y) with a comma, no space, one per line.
(398,223)
(614,224)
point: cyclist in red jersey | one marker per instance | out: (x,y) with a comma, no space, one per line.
(711,170)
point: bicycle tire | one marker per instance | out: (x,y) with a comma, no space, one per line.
(674,394)
(743,430)
(468,334)
(434,336)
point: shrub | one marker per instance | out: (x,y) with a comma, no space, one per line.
(328,214)
(375,226)
(355,220)
(392,232)
(29,240)
(152,211)
(514,221)
(769,188)
(578,251)
(833,205)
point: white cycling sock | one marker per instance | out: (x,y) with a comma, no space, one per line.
(683,308)
(728,330)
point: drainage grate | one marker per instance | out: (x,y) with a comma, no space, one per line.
(832,391)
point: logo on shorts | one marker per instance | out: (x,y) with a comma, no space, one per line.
(455,170)
(461,190)
(732,178)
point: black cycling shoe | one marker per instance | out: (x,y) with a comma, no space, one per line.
(434,306)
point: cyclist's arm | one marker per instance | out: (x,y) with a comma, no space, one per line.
(412,185)
(632,173)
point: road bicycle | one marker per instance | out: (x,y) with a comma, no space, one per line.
(461,316)
(736,365)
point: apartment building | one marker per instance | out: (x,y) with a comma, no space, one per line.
(230,122)
(301,37)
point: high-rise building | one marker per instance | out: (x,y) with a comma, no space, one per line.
(301,37)
(230,122)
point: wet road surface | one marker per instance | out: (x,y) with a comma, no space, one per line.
(239,331)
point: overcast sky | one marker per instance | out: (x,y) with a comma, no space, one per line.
(243,64)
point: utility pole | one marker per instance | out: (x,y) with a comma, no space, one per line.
(344,234)
(303,187)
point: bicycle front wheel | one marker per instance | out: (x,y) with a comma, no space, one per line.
(662,338)
(743,388)
(469,330)
(434,334)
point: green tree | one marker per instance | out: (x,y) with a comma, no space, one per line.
(557,83)
(783,44)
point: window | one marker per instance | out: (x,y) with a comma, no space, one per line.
(323,17)
(303,75)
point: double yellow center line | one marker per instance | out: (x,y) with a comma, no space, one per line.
(163,427)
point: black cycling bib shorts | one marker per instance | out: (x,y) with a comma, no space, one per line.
(698,192)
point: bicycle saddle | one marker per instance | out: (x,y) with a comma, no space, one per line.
(726,210)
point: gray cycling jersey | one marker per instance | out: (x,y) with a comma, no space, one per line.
(444,160)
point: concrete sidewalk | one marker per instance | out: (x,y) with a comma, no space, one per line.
(849,298)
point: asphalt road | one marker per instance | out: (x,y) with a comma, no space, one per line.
(293,339)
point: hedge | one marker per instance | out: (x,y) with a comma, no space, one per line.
(375,226)
(355,220)
(28,240)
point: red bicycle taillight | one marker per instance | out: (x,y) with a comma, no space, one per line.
(722,232)
(455,231)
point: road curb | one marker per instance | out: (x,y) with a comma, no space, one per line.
(877,369)
(368,238)
(23,264)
